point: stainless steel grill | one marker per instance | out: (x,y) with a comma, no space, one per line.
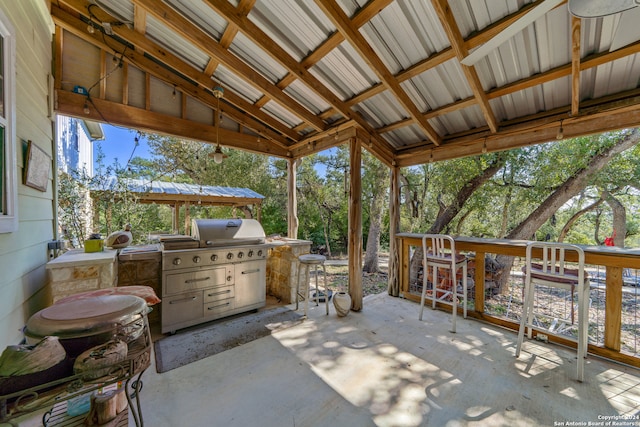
(223,276)
(227,232)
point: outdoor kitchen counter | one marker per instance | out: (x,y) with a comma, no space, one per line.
(78,271)
(77,257)
(282,266)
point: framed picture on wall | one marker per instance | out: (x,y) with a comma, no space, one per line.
(37,167)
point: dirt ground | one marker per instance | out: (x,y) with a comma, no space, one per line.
(372,283)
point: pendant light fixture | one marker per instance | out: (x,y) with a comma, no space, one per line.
(217,154)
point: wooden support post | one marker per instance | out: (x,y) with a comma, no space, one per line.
(187,218)
(479,281)
(393,287)
(175,211)
(355,224)
(613,308)
(292,205)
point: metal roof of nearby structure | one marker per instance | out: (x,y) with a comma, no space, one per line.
(171,192)
(415,80)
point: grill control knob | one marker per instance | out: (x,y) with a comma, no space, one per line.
(196,259)
(177,261)
(230,255)
(260,252)
(214,257)
(250,254)
(240,254)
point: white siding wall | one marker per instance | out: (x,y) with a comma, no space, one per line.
(75,148)
(23,254)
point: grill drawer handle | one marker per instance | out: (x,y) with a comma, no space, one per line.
(178,301)
(257,270)
(201,279)
(228,291)
(218,306)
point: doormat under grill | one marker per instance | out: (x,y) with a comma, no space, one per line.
(198,342)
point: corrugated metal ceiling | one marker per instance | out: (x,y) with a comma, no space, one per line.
(403,35)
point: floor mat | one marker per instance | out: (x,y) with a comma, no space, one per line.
(205,340)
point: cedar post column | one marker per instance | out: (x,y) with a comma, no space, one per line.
(175,209)
(187,218)
(612,309)
(393,287)
(292,205)
(355,224)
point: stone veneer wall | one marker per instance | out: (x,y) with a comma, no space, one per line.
(142,269)
(76,271)
(282,268)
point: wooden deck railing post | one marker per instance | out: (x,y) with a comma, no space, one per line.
(479,282)
(612,311)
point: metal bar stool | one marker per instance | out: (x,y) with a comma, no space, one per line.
(439,252)
(552,270)
(306,261)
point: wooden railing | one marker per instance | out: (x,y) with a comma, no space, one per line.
(613,259)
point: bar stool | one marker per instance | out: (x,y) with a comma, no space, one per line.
(551,270)
(306,261)
(439,252)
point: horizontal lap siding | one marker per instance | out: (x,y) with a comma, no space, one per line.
(23,254)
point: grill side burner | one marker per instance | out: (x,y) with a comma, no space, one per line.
(211,282)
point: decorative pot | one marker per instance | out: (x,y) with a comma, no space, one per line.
(342,303)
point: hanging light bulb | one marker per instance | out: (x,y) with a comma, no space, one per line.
(560,134)
(85,108)
(218,155)
(90,28)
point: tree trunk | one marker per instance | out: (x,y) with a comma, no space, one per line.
(567,227)
(448,213)
(379,174)
(619,219)
(572,186)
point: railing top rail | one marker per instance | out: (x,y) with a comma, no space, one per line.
(596,255)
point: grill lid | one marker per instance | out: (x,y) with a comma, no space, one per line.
(227,232)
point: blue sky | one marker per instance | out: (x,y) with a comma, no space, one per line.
(119,144)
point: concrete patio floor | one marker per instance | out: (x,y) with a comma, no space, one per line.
(384,367)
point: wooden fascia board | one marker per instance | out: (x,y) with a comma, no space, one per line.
(71,104)
(195,199)
(595,119)
(202,92)
(352,35)
(185,28)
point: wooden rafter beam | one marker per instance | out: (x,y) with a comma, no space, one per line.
(244,7)
(457,43)
(71,104)
(295,69)
(363,16)
(575,65)
(264,123)
(517,26)
(189,31)
(358,42)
